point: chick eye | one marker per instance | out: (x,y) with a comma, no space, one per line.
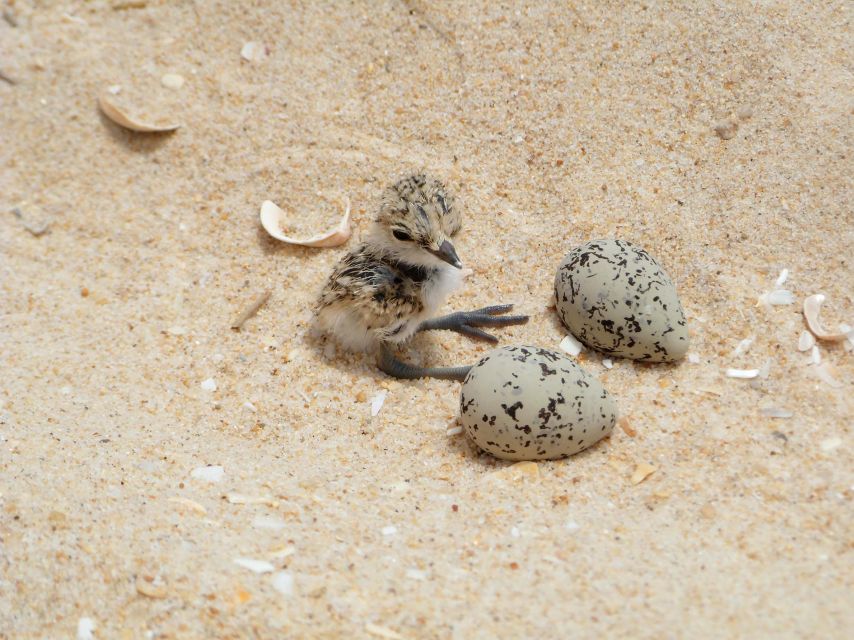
(401,235)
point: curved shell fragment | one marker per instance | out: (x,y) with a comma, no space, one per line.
(812,309)
(122,119)
(272,217)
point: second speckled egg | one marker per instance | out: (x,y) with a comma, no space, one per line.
(528,403)
(615,298)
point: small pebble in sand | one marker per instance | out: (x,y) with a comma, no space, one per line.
(209,384)
(390,530)
(608,363)
(172,80)
(725,129)
(693,358)
(745,113)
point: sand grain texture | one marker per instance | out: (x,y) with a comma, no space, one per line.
(554,125)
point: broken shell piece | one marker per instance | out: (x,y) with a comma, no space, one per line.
(745,374)
(642,471)
(150,589)
(253,51)
(271,220)
(172,80)
(122,119)
(778,297)
(806,341)
(812,309)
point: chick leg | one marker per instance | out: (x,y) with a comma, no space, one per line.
(388,363)
(467,322)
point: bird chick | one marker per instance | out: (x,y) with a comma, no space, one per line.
(390,286)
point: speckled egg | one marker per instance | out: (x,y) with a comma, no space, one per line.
(615,298)
(528,403)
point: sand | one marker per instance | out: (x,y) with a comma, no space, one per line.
(554,125)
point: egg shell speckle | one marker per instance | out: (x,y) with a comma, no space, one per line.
(615,298)
(529,403)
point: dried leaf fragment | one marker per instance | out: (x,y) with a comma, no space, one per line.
(812,309)
(642,472)
(626,426)
(122,119)
(271,220)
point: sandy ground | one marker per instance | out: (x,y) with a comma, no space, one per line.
(554,125)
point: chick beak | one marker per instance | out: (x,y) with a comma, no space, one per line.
(447,253)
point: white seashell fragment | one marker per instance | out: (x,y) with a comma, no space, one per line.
(775,412)
(607,363)
(812,309)
(571,345)
(271,220)
(824,374)
(212,473)
(693,358)
(172,80)
(85,627)
(239,498)
(777,297)
(743,346)
(390,530)
(283,582)
(815,356)
(806,341)
(209,384)
(118,116)
(829,444)
(781,279)
(377,403)
(253,51)
(745,374)
(114,89)
(258,566)
(269,522)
